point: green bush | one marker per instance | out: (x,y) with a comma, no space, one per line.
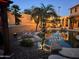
(40,35)
(26,43)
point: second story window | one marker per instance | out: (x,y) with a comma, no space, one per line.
(71,11)
(75,9)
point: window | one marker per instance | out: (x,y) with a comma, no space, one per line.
(75,9)
(71,11)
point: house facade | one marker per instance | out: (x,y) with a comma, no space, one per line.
(65,22)
(74,16)
(26,24)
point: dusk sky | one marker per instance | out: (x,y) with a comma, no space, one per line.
(64,4)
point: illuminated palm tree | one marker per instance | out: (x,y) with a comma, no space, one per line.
(40,14)
(47,11)
(15,10)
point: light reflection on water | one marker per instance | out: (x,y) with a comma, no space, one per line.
(58,38)
(69,38)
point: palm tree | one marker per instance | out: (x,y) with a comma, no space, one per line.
(47,11)
(40,14)
(36,15)
(15,10)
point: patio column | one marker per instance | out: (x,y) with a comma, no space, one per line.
(3,5)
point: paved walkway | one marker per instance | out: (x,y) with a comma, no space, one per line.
(65,53)
(56,57)
(70,52)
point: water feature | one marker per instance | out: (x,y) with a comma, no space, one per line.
(56,41)
(62,38)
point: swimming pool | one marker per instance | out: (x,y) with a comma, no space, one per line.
(57,40)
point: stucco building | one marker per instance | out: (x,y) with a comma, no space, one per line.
(65,22)
(74,16)
(26,22)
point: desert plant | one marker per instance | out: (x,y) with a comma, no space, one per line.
(40,35)
(26,43)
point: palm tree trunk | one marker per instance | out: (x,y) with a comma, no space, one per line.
(15,17)
(15,20)
(5,29)
(42,44)
(36,27)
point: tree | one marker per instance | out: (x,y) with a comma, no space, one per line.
(40,14)
(36,15)
(15,9)
(47,11)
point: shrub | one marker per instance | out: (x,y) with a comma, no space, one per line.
(40,35)
(26,43)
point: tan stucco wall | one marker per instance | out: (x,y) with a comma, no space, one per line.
(11,18)
(26,23)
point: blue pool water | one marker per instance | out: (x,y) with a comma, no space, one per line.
(58,40)
(61,43)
